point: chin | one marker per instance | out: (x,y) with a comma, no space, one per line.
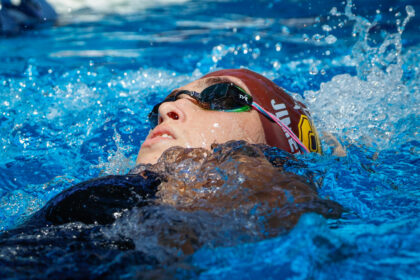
(147,158)
(151,154)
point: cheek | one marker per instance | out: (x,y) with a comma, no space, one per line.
(205,133)
(246,126)
(223,129)
(216,127)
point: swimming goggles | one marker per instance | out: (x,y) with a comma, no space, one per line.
(226,97)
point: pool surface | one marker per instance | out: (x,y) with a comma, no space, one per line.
(75,98)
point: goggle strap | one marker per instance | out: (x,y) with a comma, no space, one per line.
(281,124)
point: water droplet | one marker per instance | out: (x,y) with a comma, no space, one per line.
(276,65)
(313,70)
(330,39)
(317,37)
(326,28)
(257,38)
(15,2)
(410,11)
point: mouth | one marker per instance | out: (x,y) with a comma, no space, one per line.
(159,135)
(162,134)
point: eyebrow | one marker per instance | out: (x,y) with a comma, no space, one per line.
(214,80)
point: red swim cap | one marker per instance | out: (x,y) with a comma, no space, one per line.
(275,100)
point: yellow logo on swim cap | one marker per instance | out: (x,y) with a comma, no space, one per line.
(308,135)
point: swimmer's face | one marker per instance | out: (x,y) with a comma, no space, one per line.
(183,123)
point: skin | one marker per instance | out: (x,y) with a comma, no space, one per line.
(190,126)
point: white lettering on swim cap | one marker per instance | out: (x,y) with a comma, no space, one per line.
(293,145)
(277,107)
(282,114)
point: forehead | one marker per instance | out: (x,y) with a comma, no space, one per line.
(200,84)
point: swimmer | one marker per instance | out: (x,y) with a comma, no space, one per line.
(197,123)
(235,104)
(208,168)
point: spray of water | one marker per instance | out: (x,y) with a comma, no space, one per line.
(376,107)
(117,162)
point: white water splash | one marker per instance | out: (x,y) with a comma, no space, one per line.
(375,107)
(117,162)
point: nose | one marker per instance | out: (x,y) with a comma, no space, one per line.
(170,111)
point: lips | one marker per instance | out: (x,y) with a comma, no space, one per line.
(159,135)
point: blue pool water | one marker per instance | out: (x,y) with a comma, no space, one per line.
(75,98)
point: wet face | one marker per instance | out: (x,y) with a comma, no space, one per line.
(184,123)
